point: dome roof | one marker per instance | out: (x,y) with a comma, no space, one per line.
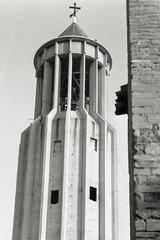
(73,29)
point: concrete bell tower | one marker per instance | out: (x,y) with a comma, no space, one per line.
(64,189)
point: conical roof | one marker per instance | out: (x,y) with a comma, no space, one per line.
(73,29)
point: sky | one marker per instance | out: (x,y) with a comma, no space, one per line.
(24,26)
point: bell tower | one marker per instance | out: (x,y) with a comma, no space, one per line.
(65,189)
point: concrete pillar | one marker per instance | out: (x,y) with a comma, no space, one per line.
(85,140)
(102,142)
(56,78)
(47,88)
(66,149)
(69,95)
(47,152)
(82,79)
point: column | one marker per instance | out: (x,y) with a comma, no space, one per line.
(84,141)
(66,150)
(56,78)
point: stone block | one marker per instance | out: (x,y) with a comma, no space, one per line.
(154,180)
(152,197)
(146,157)
(153,149)
(144,213)
(148,135)
(155,110)
(155,213)
(147,205)
(144,238)
(156,171)
(142,109)
(139,117)
(154,118)
(140,225)
(146,235)
(153,225)
(144,164)
(141,180)
(142,171)
(139,147)
(144,87)
(142,102)
(140,121)
(145,95)
(148,188)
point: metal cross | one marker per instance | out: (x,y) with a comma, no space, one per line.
(75,10)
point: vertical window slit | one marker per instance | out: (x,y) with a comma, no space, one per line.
(93,194)
(54,196)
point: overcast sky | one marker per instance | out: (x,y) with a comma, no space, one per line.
(24,26)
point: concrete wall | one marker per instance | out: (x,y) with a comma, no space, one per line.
(29,183)
(144,117)
(74,179)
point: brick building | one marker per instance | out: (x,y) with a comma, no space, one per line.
(144,117)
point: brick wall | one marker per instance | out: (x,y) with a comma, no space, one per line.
(144,117)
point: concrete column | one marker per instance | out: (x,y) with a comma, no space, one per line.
(69,95)
(66,150)
(82,80)
(114,176)
(102,145)
(56,78)
(38,103)
(84,140)
(47,150)
(47,88)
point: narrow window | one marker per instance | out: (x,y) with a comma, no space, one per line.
(93,194)
(94,140)
(54,196)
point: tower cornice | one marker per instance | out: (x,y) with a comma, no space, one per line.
(74,38)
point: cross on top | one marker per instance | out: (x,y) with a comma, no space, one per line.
(75,10)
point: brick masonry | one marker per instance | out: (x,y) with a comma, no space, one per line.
(144,117)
